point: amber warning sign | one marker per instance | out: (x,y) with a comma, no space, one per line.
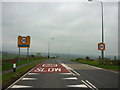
(23,42)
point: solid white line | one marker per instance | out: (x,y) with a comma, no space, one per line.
(87,84)
(91,85)
(71,78)
(29,79)
(79,86)
(21,86)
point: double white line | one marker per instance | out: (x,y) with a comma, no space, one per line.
(69,69)
(88,84)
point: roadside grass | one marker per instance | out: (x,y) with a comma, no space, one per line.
(9,65)
(97,64)
(9,78)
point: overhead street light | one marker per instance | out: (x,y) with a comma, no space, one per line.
(69,51)
(49,47)
(102,51)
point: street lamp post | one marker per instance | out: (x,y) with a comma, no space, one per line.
(69,51)
(49,47)
(102,51)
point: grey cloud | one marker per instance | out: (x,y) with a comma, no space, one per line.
(76,25)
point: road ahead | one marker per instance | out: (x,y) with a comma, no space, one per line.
(59,73)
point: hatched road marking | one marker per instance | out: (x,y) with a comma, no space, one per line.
(21,86)
(33,73)
(66,73)
(70,78)
(29,79)
(78,86)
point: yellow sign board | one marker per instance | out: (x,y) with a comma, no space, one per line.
(24,41)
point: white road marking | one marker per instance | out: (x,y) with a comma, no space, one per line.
(79,86)
(70,69)
(33,73)
(18,79)
(21,86)
(66,73)
(91,84)
(43,65)
(70,78)
(29,79)
(87,84)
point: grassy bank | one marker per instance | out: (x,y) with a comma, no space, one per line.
(9,78)
(9,65)
(97,64)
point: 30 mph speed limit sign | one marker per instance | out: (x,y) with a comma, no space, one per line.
(101,46)
(24,41)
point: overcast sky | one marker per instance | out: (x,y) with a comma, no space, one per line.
(74,25)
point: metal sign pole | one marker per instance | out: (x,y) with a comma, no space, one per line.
(27,54)
(19,55)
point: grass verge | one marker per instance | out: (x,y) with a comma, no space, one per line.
(9,65)
(9,78)
(96,63)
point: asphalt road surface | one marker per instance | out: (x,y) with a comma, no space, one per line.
(59,73)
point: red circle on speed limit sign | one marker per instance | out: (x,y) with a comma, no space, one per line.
(101,46)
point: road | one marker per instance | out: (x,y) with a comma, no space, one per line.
(60,73)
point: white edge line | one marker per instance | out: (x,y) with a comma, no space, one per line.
(18,79)
(87,84)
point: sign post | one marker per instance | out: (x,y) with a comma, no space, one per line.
(24,42)
(101,46)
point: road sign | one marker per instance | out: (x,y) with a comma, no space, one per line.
(24,41)
(101,46)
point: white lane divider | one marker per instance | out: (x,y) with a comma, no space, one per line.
(21,86)
(78,86)
(70,78)
(29,79)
